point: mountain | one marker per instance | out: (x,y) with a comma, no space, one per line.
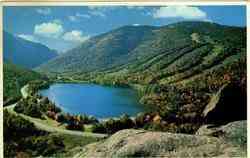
(178,68)
(102,51)
(25,53)
(15,77)
(131,44)
(192,74)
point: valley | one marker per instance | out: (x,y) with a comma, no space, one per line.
(189,74)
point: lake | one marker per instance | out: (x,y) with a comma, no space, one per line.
(96,100)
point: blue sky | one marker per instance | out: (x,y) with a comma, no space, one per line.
(65,27)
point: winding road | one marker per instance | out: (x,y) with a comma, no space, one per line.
(47,127)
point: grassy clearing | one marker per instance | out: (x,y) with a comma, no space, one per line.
(74,144)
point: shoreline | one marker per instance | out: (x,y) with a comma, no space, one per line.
(114,118)
(133,87)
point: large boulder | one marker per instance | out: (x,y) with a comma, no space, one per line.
(227,105)
(140,143)
(234,132)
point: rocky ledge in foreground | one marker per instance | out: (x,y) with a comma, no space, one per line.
(224,141)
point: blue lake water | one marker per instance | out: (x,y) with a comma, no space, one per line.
(95,100)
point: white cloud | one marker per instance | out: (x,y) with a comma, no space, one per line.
(43,11)
(208,20)
(97,13)
(147,13)
(83,15)
(73,18)
(50,29)
(28,37)
(101,11)
(136,24)
(57,21)
(75,36)
(186,12)
(78,16)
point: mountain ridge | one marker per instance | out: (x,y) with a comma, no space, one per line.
(127,44)
(25,53)
(177,68)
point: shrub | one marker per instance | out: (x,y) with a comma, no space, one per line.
(61,118)
(98,128)
(141,119)
(92,119)
(84,119)
(44,100)
(33,111)
(189,128)
(51,114)
(16,126)
(28,108)
(74,124)
(35,85)
(17,131)
(31,107)
(44,146)
(46,105)
(126,122)
(111,126)
(154,126)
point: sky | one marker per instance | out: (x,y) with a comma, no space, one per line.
(63,28)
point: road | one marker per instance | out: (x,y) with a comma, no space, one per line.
(47,127)
(24,90)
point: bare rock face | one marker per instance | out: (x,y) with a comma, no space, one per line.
(140,143)
(227,105)
(234,132)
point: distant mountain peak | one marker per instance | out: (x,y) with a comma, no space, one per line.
(24,52)
(129,44)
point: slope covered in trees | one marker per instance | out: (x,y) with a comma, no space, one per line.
(25,53)
(23,139)
(136,44)
(193,73)
(15,78)
(176,68)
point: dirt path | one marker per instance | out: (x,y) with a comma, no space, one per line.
(24,90)
(46,127)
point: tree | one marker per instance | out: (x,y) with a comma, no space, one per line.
(98,128)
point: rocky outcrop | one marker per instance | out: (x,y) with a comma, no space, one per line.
(140,143)
(227,105)
(235,132)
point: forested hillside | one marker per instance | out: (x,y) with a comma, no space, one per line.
(25,53)
(135,44)
(177,68)
(15,78)
(183,80)
(191,74)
